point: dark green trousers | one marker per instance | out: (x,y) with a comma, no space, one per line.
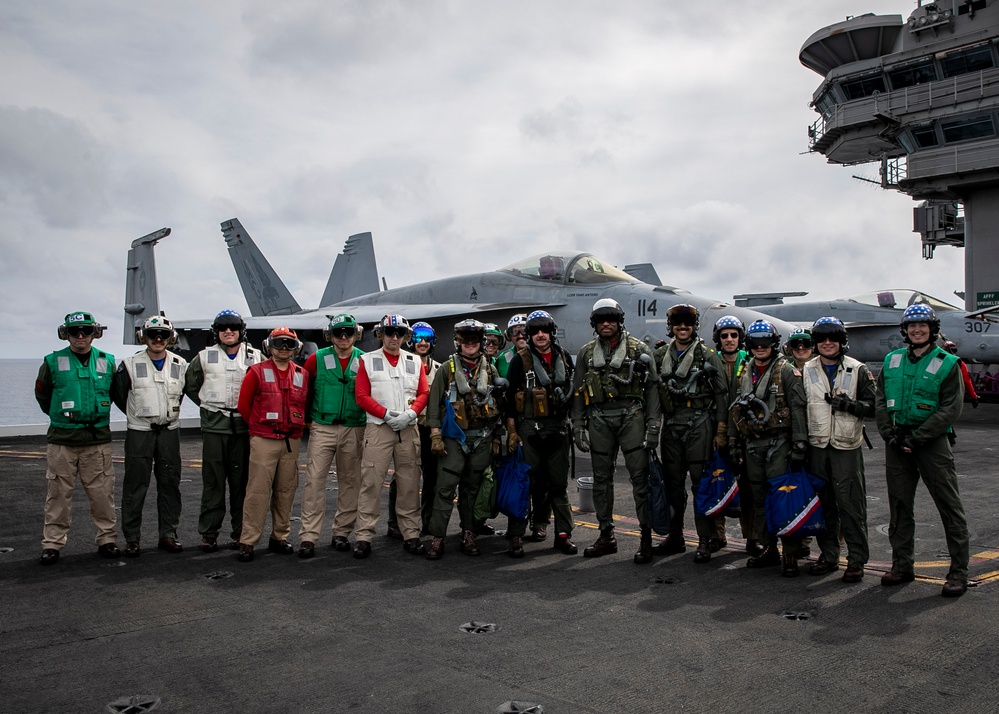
(844,502)
(546,450)
(459,471)
(685,445)
(934,463)
(149,453)
(225,460)
(608,434)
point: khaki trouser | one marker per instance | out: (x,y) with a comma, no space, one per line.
(93,465)
(273,470)
(382,446)
(326,443)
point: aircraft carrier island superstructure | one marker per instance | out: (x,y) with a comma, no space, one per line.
(921,97)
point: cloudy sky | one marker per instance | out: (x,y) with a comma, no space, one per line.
(462,135)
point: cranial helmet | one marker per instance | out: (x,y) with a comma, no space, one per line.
(920,313)
(518,320)
(80,318)
(728,322)
(830,327)
(762,332)
(606,307)
(343,321)
(493,329)
(682,313)
(158,322)
(392,321)
(802,334)
(468,331)
(422,332)
(229,318)
(285,333)
(541,318)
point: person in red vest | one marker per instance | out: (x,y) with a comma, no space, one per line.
(272,402)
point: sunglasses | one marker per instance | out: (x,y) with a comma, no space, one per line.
(547,329)
(729,335)
(395,331)
(800,344)
(826,338)
(284,343)
(157,333)
(682,322)
(342,332)
(80,331)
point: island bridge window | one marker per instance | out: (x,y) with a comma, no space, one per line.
(967,129)
(912,74)
(971,59)
(864,86)
(925,137)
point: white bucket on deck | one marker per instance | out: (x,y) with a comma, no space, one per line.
(584,486)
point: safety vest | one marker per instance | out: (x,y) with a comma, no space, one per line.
(503,360)
(333,401)
(537,398)
(826,427)
(611,378)
(912,390)
(81,394)
(224,376)
(155,395)
(395,387)
(278,412)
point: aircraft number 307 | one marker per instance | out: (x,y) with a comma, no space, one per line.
(646,308)
(975,326)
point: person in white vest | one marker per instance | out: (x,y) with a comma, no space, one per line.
(212,381)
(391,386)
(149,387)
(840,392)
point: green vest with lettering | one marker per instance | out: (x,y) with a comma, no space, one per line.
(334,400)
(81,394)
(912,390)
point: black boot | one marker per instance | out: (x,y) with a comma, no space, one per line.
(673,543)
(644,554)
(604,545)
(767,558)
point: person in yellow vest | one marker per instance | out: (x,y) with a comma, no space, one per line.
(149,387)
(337,433)
(920,396)
(840,392)
(74,388)
(212,381)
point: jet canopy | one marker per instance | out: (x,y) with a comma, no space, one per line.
(568,269)
(901,299)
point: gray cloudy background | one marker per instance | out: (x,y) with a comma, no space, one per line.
(462,135)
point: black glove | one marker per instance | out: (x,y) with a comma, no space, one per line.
(974,404)
(798,452)
(843,403)
(907,444)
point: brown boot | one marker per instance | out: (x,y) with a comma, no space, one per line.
(468,546)
(604,545)
(436,549)
(516,549)
(644,554)
(703,554)
(767,558)
(789,566)
(673,543)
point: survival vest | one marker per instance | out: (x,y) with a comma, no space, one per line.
(81,394)
(683,382)
(473,401)
(333,401)
(745,414)
(224,376)
(545,394)
(155,395)
(619,375)
(912,390)
(395,388)
(278,413)
(827,427)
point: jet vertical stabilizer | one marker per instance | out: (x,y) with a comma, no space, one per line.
(264,292)
(142,298)
(354,272)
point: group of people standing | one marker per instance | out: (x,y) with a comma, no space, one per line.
(398,412)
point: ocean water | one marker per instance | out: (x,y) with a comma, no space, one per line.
(17,395)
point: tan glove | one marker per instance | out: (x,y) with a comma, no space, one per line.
(513,439)
(437,445)
(497,443)
(721,438)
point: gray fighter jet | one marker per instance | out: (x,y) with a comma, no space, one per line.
(872,321)
(566,284)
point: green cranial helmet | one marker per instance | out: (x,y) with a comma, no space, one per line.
(343,321)
(80,319)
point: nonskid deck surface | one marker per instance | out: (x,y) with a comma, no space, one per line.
(202,632)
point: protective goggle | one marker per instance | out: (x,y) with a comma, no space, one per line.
(755,342)
(469,338)
(494,341)
(682,320)
(283,343)
(800,344)
(518,332)
(157,333)
(825,338)
(228,323)
(535,329)
(80,331)
(341,332)
(394,331)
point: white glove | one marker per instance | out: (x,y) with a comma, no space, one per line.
(410,415)
(397,421)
